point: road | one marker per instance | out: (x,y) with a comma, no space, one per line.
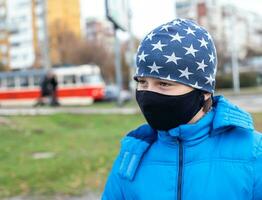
(250,103)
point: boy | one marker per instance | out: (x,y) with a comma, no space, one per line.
(195,146)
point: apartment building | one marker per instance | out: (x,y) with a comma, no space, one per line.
(23,25)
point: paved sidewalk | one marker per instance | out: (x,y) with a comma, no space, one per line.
(250,103)
(71,110)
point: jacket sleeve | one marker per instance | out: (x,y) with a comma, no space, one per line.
(257,192)
(113,189)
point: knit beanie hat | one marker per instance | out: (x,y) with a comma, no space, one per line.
(180,51)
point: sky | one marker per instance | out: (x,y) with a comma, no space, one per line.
(147,14)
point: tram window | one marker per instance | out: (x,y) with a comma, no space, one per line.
(24,81)
(37,80)
(69,79)
(10,82)
(91,79)
(3,82)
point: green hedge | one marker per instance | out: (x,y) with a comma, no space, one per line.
(247,79)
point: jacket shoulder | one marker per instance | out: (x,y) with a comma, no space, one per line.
(133,147)
(238,143)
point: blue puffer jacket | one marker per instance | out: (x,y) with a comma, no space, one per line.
(219,157)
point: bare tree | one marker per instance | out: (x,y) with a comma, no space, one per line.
(70,49)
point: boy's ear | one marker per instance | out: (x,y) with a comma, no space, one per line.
(207,95)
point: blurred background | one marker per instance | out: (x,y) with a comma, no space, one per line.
(66,87)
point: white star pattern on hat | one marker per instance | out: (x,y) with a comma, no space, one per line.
(208,35)
(176,37)
(203,43)
(150,36)
(196,86)
(165,27)
(154,68)
(209,80)
(168,77)
(185,73)
(191,50)
(196,26)
(172,58)
(201,65)
(142,56)
(212,57)
(158,46)
(190,31)
(176,22)
(182,20)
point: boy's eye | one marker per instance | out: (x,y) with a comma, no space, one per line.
(164,84)
(141,81)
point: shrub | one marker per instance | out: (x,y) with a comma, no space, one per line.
(247,79)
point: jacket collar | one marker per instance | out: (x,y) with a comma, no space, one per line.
(222,116)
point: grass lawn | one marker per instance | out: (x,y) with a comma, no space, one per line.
(84,148)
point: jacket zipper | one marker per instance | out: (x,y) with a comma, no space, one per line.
(180,169)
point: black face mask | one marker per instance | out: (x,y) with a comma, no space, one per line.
(164,112)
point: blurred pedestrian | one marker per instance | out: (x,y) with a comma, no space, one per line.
(53,88)
(48,93)
(195,145)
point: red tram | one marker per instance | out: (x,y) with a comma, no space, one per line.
(76,85)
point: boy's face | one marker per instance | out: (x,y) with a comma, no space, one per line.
(162,86)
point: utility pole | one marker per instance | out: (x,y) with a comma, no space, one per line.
(118,69)
(45,42)
(117,13)
(131,50)
(234,53)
